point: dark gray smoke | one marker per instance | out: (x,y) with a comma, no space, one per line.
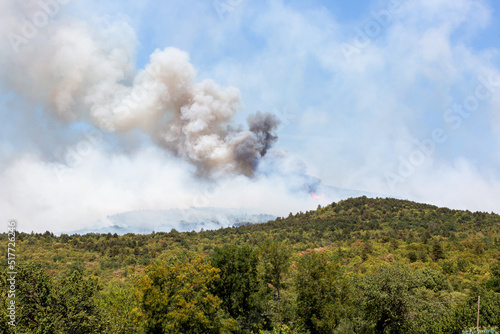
(258,140)
(263,125)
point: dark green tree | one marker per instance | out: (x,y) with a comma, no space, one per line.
(431,280)
(238,284)
(387,300)
(76,307)
(66,305)
(321,294)
(437,251)
(276,263)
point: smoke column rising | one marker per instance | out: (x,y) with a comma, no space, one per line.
(79,72)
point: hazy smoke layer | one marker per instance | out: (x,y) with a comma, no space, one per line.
(82,73)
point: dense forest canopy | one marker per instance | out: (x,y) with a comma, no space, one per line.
(361,265)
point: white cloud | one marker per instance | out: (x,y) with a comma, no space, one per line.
(388,98)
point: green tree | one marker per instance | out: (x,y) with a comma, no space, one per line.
(117,302)
(174,297)
(238,284)
(76,308)
(34,300)
(276,262)
(437,251)
(321,296)
(387,300)
(489,310)
(494,282)
(66,305)
(431,279)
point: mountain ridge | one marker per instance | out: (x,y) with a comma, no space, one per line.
(181,220)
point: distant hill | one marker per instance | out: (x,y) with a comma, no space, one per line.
(187,220)
(354,217)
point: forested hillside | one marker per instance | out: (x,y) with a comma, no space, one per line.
(358,266)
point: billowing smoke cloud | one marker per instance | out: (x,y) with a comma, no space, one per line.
(81,73)
(254,145)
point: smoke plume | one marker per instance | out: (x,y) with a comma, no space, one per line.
(78,72)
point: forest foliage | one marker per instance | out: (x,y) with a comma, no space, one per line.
(361,265)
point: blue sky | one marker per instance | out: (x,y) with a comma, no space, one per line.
(398,98)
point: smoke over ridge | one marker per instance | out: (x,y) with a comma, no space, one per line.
(79,72)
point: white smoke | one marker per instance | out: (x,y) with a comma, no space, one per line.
(79,72)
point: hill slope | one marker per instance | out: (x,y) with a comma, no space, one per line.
(354,249)
(394,226)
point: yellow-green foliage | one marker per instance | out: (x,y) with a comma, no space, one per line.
(174,297)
